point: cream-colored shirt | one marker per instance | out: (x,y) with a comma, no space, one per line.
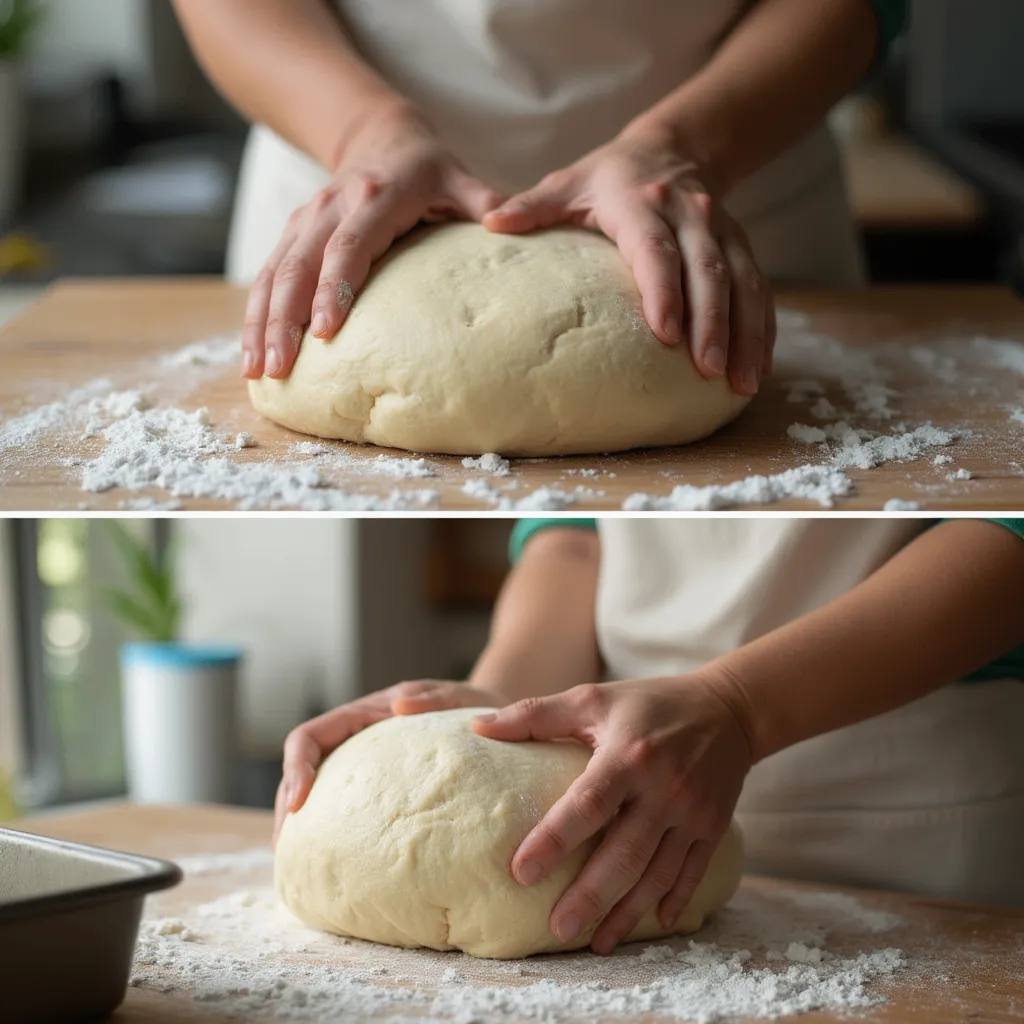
(675,594)
(518,88)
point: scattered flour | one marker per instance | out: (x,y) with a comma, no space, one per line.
(960,474)
(216,863)
(899,505)
(768,955)
(807,483)
(846,389)
(489,463)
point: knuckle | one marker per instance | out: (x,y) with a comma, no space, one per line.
(629,856)
(704,204)
(588,695)
(342,243)
(292,268)
(641,752)
(658,246)
(591,804)
(264,280)
(529,706)
(592,900)
(557,180)
(712,266)
(656,193)
(660,881)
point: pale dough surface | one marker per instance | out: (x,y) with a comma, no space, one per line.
(465,342)
(409,831)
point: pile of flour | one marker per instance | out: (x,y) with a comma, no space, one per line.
(847,415)
(767,955)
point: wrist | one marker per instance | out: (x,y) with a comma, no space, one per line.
(376,110)
(679,128)
(733,690)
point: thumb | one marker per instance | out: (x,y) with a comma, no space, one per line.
(472,197)
(535,718)
(538,207)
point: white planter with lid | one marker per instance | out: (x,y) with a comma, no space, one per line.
(180,714)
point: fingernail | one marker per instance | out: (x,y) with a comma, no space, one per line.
(485,719)
(289,795)
(714,359)
(673,329)
(568,928)
(750,380)
(530,872)
(321,325)
(273,361)
(248,362)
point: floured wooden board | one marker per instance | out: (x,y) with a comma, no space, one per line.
(931,378)
(219,948)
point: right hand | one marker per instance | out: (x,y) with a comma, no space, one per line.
(393,173)
(308,744)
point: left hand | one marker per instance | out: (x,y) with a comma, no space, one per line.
(670,757)
(650,200)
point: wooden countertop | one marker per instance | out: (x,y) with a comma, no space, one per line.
(965,961)
(83,330)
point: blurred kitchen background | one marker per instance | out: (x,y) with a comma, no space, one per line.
(117,158)
(323,611)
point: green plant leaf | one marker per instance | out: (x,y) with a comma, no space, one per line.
(18,21)
(153,603)
(135,615)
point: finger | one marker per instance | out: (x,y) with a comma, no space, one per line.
(418,696)
(707,290)
(589,804)
(612,870)
(771,332)
(748,318)
(655,883)
(473,199)
(649,247)
(694,867)
(355,244)
(254,329)
(291,300)
(542,206)
(561,716)
(280,811)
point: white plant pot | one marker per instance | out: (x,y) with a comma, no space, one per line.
(12,138)
(179,705)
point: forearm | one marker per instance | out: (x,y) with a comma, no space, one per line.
(543,638)
(944,606)
(287,64)
(771,81)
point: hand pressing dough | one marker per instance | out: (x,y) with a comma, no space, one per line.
(409,831)
(466,342)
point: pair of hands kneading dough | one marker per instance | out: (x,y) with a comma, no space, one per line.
(464,341)
(408,832)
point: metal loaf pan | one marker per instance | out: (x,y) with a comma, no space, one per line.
(69,919)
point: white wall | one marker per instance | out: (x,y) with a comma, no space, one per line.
(286,590)
(327,609)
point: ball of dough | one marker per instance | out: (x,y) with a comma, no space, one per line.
(466,342)
(409,831)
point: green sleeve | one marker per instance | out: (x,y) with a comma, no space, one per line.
(1014,525)
(526,528)
(892,18)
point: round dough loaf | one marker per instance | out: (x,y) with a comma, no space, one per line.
(409,831)
(465,342)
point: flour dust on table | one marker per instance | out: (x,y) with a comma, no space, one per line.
(139,437)
(767,955)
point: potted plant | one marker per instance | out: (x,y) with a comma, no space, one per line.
(18,19)
(179,700)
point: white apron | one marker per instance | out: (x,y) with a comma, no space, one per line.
(928,798)
(518,88)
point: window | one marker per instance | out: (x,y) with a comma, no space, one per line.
(67,657)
